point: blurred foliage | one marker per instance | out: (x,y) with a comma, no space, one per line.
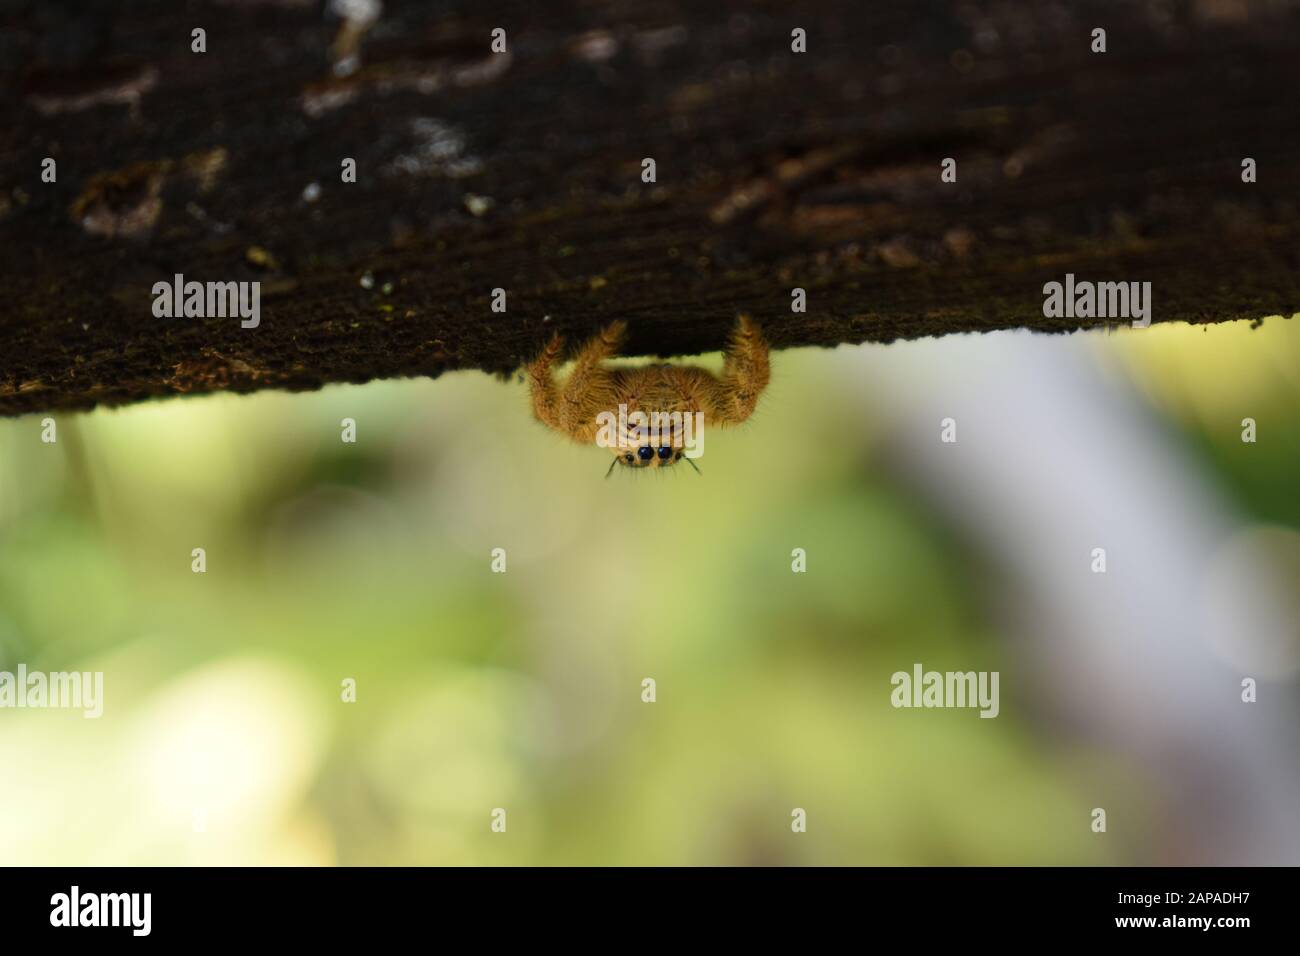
(1210,377)
(224,739)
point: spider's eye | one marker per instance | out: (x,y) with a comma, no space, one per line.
(665,452)
(645,452)
(627,457)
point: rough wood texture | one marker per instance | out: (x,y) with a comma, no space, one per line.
(522,171)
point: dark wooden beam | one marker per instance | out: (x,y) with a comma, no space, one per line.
(522,171)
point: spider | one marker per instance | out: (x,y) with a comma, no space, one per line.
(584,405)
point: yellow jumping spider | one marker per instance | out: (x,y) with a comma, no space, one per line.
(594,392)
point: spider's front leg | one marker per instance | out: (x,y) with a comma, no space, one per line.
(745,372)
(546,404)
(589,388)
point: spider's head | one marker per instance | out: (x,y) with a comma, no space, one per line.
(647,456)
(652,447)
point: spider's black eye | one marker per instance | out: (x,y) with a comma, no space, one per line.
(627,457)
(645,452)
(665,452)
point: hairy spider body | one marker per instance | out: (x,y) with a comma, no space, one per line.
(594,391)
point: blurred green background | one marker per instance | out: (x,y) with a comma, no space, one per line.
(224,739)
